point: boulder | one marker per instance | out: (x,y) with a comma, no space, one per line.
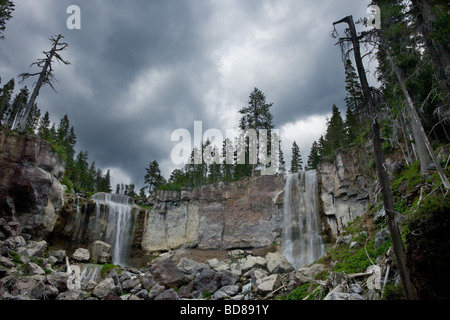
(33,269)
(103,288)
(253,262)
(187,265)
(381,237)
(60,255)
(59,280)
(6,262)
(306,274)
(34,249)
(344,296)
(155,291)
(167,273)
(100,252)
(277,263)
(225,292)
(71,295)
(269,283)
(217,265)
(168,295)
(38,291)
(207,281)
(129,284)
(81,255)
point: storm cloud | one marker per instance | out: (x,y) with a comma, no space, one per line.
(141,69)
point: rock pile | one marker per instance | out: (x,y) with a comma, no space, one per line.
(29,271)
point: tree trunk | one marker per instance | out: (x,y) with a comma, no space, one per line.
(23,122)
(439,53)
(388,201)
(422,142)
(408,288)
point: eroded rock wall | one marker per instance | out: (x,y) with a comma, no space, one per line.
(345,189)
(29,187)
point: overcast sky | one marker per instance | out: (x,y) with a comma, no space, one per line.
(142,69)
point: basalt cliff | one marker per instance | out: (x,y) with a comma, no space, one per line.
(54,242)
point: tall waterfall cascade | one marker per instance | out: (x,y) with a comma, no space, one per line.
(120,226)
(302,242)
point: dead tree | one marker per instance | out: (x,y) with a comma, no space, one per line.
(45,75)
(416,124)
(388,200)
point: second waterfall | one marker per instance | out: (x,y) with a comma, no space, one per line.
(120,226)
(302,229)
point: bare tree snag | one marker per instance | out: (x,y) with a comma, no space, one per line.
(45,76)
(420,136)
(388,200)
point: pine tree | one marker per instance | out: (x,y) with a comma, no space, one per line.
(296,162)
(354,102)
(256,115)
(6,9)
(335,135)
(44,127)
(227,166)
(33,119)
(5,97)
(281,162)
(153,178)
(314,157)
(106,185)
(14,113)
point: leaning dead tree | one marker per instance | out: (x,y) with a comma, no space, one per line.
(46,75)
(416,120)
(388,201)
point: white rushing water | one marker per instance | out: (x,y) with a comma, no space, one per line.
(302,242)
(120,227)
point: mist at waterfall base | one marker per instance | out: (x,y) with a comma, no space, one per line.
(120,224)
(302,243)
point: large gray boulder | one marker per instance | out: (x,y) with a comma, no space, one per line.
(81,255)
(103,288)
(277,263)
(100,252)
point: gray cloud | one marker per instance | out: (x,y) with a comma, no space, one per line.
(141,69)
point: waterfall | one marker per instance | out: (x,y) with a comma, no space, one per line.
(119,230)
(301,238)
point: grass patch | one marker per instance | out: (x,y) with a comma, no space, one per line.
(108,267)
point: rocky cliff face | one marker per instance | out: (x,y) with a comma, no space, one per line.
(241,214)
(345,191)
(29,187)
